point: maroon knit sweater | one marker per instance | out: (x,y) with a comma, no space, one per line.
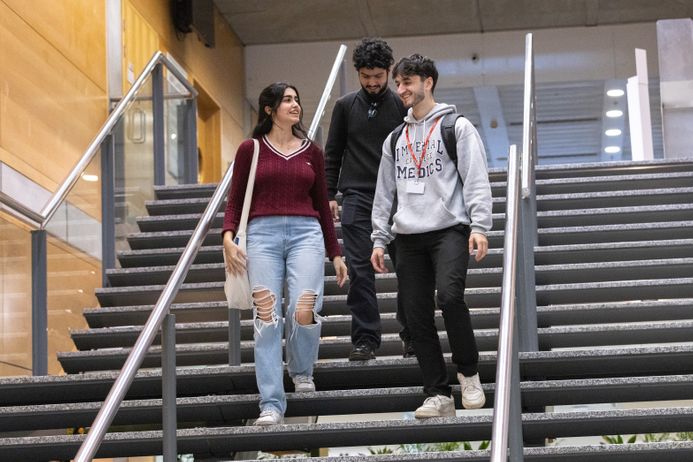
(284,185)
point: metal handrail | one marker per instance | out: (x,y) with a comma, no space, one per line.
(103,419)
(43,217)
(506,331)
(519,197)
(326,92)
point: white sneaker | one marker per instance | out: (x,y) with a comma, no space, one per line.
(303,383)
(472,394)
(269,417)
(436,406)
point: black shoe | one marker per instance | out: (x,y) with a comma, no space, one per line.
(408,349)
(362,352)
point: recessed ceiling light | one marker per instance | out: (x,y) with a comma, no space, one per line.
(90,177)
(614,113)
(612,132)
(615,92)
(612,149)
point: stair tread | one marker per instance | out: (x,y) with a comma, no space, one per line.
(219,440)
(332,374)
(227,407)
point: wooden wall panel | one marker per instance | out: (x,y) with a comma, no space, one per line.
(76,28)
(140,42)
(219,70)
(49,108)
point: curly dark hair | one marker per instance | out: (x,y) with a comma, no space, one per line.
(371,53)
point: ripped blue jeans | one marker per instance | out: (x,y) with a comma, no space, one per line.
(283,248)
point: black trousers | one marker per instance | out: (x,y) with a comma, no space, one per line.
(426,263)
(362,300)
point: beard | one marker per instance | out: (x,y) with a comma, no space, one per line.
(414,99)
(375,90)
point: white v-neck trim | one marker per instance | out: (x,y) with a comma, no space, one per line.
(304,145)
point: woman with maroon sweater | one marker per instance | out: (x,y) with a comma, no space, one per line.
(289,229)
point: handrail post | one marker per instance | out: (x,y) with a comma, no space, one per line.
(158,125)
(526,285)
(39,301)
(107,207)
(168,387)
(515,434)
(234,337)
(190,124)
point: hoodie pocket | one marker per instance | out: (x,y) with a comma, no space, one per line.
(421,219)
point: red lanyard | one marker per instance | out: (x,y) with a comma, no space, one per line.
(418,162)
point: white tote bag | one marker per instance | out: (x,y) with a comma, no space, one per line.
(237,286)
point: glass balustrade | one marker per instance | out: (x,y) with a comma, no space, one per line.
(15,297)
(134,160)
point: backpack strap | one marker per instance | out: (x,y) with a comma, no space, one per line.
(447,131)
(394,136)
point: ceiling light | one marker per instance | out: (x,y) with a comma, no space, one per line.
(612,132)
(90,177)
(614,113)
(612,149)
(615,92)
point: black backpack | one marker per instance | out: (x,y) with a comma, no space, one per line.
(447,131)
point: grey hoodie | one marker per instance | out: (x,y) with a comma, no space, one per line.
(445,202)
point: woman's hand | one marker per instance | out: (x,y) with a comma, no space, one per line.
(235,256)
(340,270)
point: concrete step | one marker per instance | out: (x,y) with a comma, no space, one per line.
(607,168)
(544,255)
(483,318)
(638,231)
(185,191)
(337,342)
(476,277)
(338,374)
(478,297)
(670,451)
(232,408)
(590,184)
(205,345)
(222,441)
(551,179)
(172,215)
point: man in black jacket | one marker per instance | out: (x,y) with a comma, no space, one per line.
(360,123)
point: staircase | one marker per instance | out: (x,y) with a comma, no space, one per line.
(614,274)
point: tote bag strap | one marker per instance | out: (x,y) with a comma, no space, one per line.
(249,189)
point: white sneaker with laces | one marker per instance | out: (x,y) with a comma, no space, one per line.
(436,406)
(303,383)
(269,417)
(472,394)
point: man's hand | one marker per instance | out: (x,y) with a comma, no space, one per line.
(378,260)
(334,208)
(479,242)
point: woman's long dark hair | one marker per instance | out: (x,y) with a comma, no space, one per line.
(272,96)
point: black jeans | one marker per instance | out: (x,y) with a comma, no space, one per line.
(362,300)
(427,262)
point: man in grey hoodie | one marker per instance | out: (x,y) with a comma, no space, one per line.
(442,217)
